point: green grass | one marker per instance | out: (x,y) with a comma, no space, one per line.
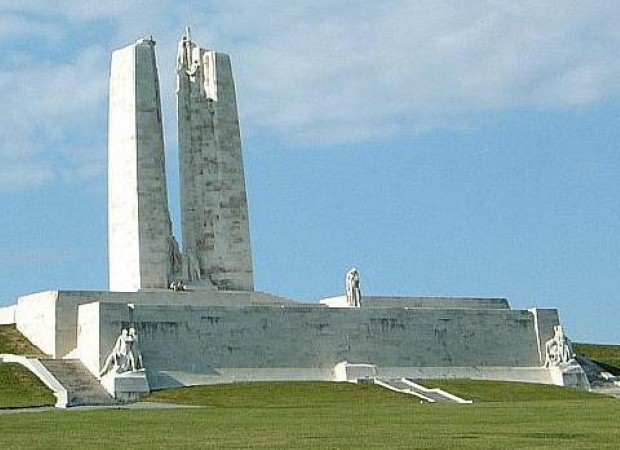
(12,341)
(291,394)
(606,355)
(504,391)
(324,394)
(19,388)
(317,415)
(324,415)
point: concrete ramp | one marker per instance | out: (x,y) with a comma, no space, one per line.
(83,389)
(406,386)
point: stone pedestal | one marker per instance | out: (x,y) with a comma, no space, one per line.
(345,371)
(126,386)
(569,374)
(337,302)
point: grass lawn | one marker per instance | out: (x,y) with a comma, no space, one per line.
(504,391)
(19,388)
(316,415)
(328,415)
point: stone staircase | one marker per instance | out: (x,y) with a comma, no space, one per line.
(406,386)
(601,381)
(83,389)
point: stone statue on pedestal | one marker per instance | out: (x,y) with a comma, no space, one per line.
(558,349)
(354,294)
(125,356)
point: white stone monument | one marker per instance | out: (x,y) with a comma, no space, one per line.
(200,320)
(140,231)
(561,363)
(214,209)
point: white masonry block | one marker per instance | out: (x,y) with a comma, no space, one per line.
(214,208)
(140,236)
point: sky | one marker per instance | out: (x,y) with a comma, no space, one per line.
(445,148)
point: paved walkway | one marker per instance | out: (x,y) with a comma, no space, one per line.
(137,405)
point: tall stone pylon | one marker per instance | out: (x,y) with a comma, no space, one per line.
(141,246)
(214,209)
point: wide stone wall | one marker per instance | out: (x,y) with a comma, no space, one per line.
(220,339)
(50,319)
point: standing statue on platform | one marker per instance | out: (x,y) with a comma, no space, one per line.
(558,349)
(125,355)
(354,294)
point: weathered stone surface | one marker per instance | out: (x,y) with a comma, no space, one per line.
(222,336)
(49,319)
(214,207)
(140,236)
(127,386)
(233,333)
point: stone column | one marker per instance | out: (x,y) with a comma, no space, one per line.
(214,209)
(140,232)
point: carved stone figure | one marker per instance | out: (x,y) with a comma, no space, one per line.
(186,59)
(354,294)
(558,349)
(193,267)
(176,258)
(133,350)
(116,358)
(125,355)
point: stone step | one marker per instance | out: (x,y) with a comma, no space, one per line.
(82,387)
(407,386)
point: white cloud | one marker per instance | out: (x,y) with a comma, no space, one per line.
(308,72)
(49,110)
(359,72)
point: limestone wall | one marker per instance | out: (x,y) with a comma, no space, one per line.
(50,319)
(214,209)
(420,302)
(89,349)
(217,341)
(36,319)
(139,222)
(7,315)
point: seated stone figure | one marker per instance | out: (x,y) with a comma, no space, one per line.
(558,349)
(116,358)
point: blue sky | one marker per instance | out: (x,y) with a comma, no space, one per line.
(443,148)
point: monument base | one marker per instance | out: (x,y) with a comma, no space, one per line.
(346,371)
(569,374)
(126,386)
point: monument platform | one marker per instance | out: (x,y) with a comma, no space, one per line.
(207,337)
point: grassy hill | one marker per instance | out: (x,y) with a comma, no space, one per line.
(19,388)
(12,341)
(608,356)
